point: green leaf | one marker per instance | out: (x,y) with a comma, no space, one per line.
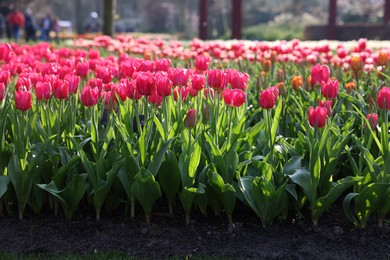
(4,181)
(126,174)
(194,160)
(169,176)
(291,165)
(302,178)
(275,122)
(347,208)
(159,127)
(21,181)
(225,191)
(146,189)
(158,158)
(334,193)
(187,196)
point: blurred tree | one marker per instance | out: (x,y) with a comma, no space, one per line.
(109,12)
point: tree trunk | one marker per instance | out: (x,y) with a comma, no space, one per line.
(109,11)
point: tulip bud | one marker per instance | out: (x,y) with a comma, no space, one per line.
(282,88)
(267,64)
(190,120)
(350,86)
(296,82)
(23,100)
(356,63)
(383,99)
(206,114)
(317,116)
(373,120)
(330,89)
(382,58)
(280,75)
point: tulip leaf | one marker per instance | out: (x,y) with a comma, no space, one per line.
(275,122)
(126,174)
(347,208)
(194,160)
(187,196)
(169,176)
(159,127)
(4,181)
(225,191)
(158,158)
(146,189)
(302,177)
(21,181)
(292,164)
(334,193)
(70,196)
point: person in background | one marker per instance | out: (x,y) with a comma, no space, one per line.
(56,28)
(29,26)
(16,21)
(46,27)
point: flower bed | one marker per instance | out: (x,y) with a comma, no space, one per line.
(276,126)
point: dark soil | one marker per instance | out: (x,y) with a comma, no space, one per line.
(212,236)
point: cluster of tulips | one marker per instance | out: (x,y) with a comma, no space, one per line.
(120,123)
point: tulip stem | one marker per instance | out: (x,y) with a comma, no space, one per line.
(229,128)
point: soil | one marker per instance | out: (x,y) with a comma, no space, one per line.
(211,236)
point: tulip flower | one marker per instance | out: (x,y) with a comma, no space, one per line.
(74,81)
(164,86)
(234,97)
(61,89)
(383,99)
(319,73)
(162,64)
(296,82)
(383,57)
(180,91)
(238,80)
(356,62)
(89,96)
(217,79)
(373,120)
(268,97)
(155,99)
(82,69)
(330,89)
(23,100)
(179,76)
(190,120)
(202,63)
(197,81)
(326,104)
(146,85)
(132,91)
(4,76)
(43,90)
(2,90)
(317,116)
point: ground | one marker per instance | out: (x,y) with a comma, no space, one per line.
(212,236)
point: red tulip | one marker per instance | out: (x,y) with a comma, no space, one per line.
(104,73)
(164,86)
(234,98)
(89,96)
(2,91)
(202,63)
(146,83)
(155,99)
(179,76)
(383,99)
(162,64)
(23,83)
(180,91)
(127,68)
(326,104)
(61,89)
(119,89)
(43,90)
(95,83)
(317,116)
(5,76)
(268,97)
(74,81)
(23,100)
(319,73)
(330,88)
(190,120)
(238,80)
(109,101)
(217,79)
(132,91)
(82,69)
(373,120)
(198,81)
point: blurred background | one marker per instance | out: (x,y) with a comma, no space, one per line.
(261,19)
